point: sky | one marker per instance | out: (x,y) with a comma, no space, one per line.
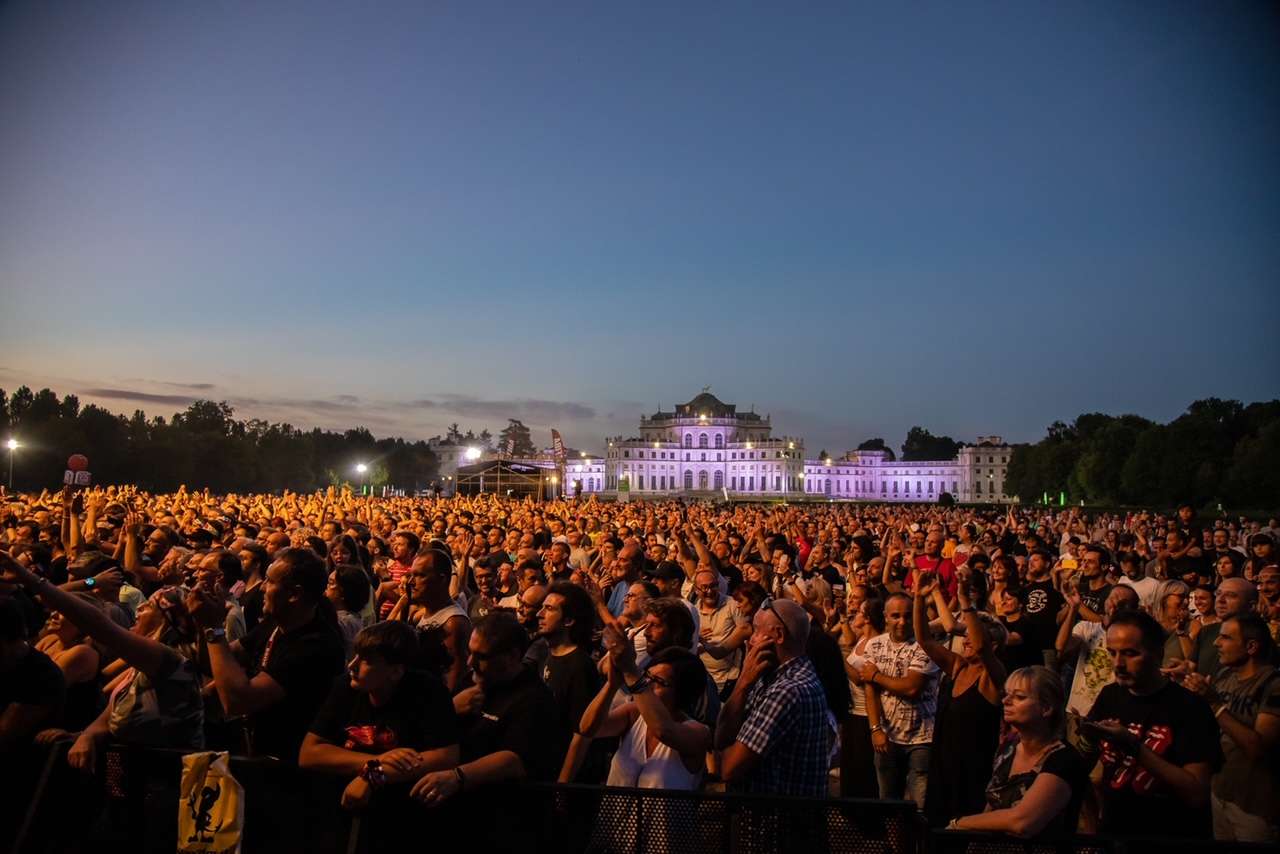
(855,217)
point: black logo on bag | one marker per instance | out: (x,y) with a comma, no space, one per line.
(201,814)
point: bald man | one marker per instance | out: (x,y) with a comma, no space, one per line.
(1235,596)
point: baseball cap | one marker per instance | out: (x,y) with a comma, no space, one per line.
(667,569)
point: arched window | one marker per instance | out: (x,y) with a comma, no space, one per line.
(719,440)
(702,479)
(688,479)
(827,484)
(688,440)
(702,440)
(719,480)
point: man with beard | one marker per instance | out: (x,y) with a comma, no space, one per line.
(1159,741)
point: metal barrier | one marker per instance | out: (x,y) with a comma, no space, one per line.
(965,842)
(131,805)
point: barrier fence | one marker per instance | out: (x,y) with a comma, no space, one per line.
(131,804)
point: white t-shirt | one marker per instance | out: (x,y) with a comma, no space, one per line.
(905,721)
(1093,667)
(1146,588)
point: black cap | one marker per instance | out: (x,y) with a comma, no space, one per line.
(668,570)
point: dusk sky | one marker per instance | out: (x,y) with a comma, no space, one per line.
(977,217)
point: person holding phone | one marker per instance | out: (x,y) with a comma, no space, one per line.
(1160,743)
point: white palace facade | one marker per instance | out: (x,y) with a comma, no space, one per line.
(707,447)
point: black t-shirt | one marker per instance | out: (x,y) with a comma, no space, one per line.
(304,662)
(419,715)
(1178,726)
(36,681)
(1041,603)
(522,717)
(1094,600)
(829,574)
(574,682)
(1024,654)
(251,605)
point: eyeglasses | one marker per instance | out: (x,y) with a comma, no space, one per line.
(657,680)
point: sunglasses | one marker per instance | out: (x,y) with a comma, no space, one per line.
(768,606)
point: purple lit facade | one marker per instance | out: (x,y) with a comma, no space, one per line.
(707,447)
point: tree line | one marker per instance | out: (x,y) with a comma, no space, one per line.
(1217,452)
(203,446)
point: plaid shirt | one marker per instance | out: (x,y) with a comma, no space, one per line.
(787,726)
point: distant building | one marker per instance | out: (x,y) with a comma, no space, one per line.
(707,447)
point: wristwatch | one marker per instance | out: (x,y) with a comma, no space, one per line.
(215,635)
(91,582)
(373,774)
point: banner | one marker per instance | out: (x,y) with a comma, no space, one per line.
(557,450)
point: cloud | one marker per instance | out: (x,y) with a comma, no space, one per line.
(168,384)
(535,410)
(147,397)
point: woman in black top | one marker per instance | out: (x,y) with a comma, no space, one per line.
(1037,780)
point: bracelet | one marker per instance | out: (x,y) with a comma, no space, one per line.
(877,728)
(1217,713)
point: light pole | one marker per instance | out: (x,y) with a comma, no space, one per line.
(362,468)
(12,445)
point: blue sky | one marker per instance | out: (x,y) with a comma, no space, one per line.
(975,217)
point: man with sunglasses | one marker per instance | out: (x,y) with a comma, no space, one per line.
(773,731)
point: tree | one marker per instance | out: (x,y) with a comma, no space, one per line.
(923,445)
(823,455)
(878,444)
(515,438)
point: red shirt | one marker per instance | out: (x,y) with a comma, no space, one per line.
(943,566)
(397,571)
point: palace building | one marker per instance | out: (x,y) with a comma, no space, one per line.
(707,447)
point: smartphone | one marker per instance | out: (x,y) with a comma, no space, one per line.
(1070,563)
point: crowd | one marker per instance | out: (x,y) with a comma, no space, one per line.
(1031,671)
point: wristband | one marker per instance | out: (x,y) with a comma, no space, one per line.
(638,687)
(1217,713)
(373,774)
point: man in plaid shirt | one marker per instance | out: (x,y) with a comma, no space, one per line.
(774,730)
